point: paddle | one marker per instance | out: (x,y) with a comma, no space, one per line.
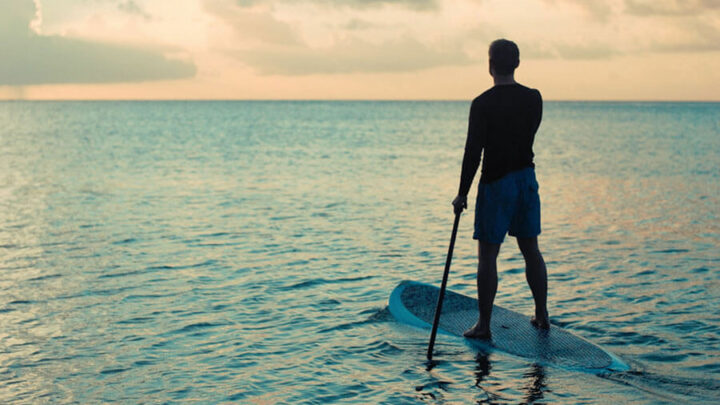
(441,295)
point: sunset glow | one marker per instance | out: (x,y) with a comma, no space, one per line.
(356,49)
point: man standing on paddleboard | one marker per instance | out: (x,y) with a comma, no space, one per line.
(502,125)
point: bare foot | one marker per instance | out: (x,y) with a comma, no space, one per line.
(478,332)
(540,323)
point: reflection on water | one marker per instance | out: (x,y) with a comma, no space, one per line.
(536,383)
(244,252)
(533,386)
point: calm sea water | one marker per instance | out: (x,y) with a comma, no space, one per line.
(244,252)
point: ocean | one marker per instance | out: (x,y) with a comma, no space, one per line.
(244,252)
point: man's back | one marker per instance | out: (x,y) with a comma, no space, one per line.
(505,119)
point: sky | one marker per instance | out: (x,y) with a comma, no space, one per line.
(356,49)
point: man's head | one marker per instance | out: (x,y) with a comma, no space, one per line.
(504,57)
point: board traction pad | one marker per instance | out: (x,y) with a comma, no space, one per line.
(511,332)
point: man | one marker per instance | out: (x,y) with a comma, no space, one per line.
(502,125)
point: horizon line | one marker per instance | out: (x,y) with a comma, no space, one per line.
(343,100)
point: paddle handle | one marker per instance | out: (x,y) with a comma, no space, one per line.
(443,285)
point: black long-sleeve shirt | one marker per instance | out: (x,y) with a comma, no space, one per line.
(502,125)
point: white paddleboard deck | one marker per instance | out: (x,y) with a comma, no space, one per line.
(512,333)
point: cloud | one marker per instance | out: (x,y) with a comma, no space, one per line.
(670,7)
(694,36)
(359,24)
(253,25)
(630,27)
(132,8)
(568,51)
(274,47)
(600,10)
(30,58)
(16,16)
(352,56)
(412,4)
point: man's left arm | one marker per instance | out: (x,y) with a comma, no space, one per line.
(471,159)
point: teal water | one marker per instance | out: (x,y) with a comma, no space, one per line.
(244,252)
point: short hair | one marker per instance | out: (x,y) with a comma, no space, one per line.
(504,56)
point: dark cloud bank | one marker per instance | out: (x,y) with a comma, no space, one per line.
(29,58)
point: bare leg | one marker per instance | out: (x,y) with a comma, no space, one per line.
(487,287)
(536,275)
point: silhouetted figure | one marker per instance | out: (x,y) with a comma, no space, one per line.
(501,129)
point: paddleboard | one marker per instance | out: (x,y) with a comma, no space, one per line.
(414,303)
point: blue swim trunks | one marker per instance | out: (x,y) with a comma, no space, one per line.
(511,205)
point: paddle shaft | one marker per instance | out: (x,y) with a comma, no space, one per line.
(443,285)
